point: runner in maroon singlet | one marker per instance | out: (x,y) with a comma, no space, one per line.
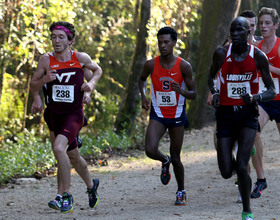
(62,72)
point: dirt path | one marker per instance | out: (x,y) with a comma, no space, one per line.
(131,189)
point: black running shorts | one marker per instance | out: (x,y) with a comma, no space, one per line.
(230,119)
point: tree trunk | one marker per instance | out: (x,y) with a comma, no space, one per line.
(28,122)
(216,18)
(129,107)
(248,5)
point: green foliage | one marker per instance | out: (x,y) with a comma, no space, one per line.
(12,105)
(23,153)
(102,111)
(106,30)
(184,16)
(109,29)
(95,144)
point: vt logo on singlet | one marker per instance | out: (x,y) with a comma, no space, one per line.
(67,75)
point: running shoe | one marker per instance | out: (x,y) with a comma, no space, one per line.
(180,198)
(67,203)
(258,188)
(56,203)
(93,197)
(247,216)
(165,175)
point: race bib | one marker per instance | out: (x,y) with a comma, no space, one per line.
(166,98)
(63,93)
(237,89)
(262,87)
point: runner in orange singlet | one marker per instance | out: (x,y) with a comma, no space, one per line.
(268,20)
(171,85)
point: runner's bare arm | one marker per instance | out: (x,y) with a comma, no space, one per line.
(91,76)
(186,71)
(37,104)
(146,72)
(217,62)
(42,74)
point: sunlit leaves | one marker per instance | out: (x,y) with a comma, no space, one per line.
(106,30)
(182,15)
(12,105)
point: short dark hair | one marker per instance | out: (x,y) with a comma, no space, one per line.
(168,30)
(248,14)
(270,11)
(66,24)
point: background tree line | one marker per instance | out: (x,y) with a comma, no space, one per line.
(119,35)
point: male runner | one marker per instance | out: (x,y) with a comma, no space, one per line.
(254,40)
(170,77)
(37,106)
(253,20)
(62,71)
(270,45)
(236,98)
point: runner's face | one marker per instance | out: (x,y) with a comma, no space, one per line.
(165,44)
(238,33)
(266,26)
(253,25)
(60,41)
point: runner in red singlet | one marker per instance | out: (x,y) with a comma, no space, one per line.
(268,20)
(171,85)
(62,72)
(254,40)
(235,99)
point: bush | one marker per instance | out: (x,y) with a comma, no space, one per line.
(95,144)
(24,154)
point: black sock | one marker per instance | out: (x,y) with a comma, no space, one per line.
(261,180)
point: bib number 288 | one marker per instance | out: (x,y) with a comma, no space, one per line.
(237,89)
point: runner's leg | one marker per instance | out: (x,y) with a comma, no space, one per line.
(225,156)
(63,162)
(245,144)
(176,140)
(257,159)
(80,165)
(154,133)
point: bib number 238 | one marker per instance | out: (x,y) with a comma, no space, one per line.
(63,93)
